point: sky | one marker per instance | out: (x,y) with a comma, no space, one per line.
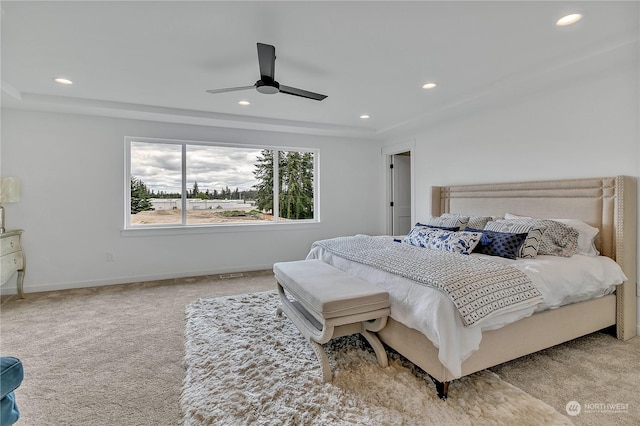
(158,165)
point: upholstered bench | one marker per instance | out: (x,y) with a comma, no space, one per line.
(324,303)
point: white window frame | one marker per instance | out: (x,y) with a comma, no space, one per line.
(184,227)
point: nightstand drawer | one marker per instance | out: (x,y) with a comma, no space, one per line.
(10,244)
(9,264)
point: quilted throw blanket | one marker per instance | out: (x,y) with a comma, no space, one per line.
(478,287)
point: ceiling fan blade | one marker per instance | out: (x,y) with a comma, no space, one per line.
(302,93)
(267,62)
(231,89)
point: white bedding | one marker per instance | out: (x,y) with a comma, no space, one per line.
(560,280)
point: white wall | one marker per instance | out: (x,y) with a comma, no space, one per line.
(584,128)
(74,165)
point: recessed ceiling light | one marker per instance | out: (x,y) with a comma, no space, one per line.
(244,103)
(61,80)
(429,86)
(365,116)
(568,19)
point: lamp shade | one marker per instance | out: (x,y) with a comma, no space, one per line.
(9,190)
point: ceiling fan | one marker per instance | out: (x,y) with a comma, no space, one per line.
(267,83)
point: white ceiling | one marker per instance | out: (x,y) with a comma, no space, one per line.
(151,59)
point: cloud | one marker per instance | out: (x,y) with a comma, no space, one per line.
(159,166)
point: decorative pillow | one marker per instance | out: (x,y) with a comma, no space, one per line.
(475,222)
(448,222)
(438,239)
(445,228)
(503,244)
(558,239)
(586,234)
(528,249)
(418,235)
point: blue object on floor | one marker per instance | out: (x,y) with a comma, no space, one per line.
(11,375)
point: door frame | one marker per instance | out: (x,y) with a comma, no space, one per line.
(387,153)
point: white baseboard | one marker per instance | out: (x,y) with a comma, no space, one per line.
(37,288)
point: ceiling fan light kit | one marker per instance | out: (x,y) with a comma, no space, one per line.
(267,83)
(268,88)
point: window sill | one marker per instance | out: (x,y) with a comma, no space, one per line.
(217,229)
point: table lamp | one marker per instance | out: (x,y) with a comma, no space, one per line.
(9,193)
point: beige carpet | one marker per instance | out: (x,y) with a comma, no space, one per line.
(598,371)
(114,356)
(107,355)
(246,366)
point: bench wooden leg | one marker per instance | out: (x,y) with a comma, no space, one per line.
(368,327)
(377,346)
(324,360)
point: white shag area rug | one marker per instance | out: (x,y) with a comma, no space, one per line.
(245,366)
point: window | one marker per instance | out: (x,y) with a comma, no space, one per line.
(182,183)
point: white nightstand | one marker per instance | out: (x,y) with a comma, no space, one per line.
(12,258)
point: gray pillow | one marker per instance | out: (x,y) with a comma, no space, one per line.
(558,239)
(448,222)
(475,222)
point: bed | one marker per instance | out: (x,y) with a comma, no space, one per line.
(608,204)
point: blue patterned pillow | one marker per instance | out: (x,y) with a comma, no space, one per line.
(418,235)
(529,249)
(438,239)
(503,244)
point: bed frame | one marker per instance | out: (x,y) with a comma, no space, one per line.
(606,203)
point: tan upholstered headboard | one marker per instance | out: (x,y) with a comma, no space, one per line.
(607,203)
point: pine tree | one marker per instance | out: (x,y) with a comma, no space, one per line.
(139,196)
(307,184)
(295,188)
(291,189)
(264,176)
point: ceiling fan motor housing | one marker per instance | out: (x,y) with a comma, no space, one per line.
(267,83)
(267,87)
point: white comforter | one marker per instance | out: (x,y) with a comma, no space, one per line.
(560,280)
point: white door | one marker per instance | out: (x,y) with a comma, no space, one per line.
(400,194)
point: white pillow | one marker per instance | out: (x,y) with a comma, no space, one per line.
(586,234)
